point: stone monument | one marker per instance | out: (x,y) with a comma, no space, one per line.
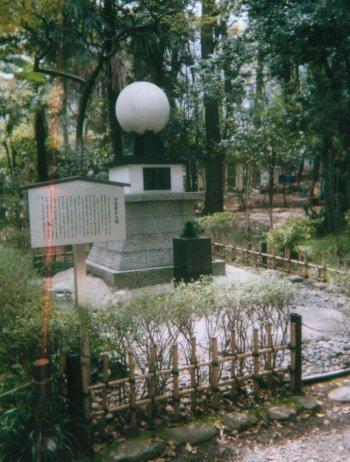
(156,204)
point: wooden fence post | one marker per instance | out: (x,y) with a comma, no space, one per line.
(248,254)
(233,363)
(104,404)
(152,382)
(214,376)
(175,372)
(233,253)
(273,263)
(296,353)
(193,374)
(306,265)
(324,277)
(256,361)
(269,365)
(41,391)
(78,395)
(287,256)
(132,397)
(264,257)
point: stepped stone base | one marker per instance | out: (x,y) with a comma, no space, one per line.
(130,279)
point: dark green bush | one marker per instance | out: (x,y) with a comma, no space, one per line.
(192,230)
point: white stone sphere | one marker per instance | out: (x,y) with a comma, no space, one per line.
(141,107)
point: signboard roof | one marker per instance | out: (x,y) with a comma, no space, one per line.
(74,178)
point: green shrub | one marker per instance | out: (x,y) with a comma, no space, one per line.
(22,315)
(191,230)
(223,227)
(20,301)
(292,233)
(219,226)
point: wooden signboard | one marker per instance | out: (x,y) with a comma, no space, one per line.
(76,211)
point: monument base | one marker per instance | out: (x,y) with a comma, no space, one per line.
(131,279)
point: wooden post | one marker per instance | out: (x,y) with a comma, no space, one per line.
(104,404)
(256,362)
(269,365)
(248,255)
(41,389)
(263,257)
(233,253)
(79,274)
(175,372)
(296,353)
(306,265)
(78,395)
(152,382)
(132,397)
(214,376)
(85,375)
(287,256)
(324,278)
(233,363)
(273,251)
(193,375)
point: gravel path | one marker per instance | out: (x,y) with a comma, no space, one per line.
(317,446)
(320,437)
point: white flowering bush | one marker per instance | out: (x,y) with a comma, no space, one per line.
(204,309)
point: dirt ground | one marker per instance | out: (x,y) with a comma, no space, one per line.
(280,215)
(257,200)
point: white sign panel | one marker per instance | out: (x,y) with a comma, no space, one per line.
(264,178)
(76,212)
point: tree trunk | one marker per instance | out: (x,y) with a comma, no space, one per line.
(65,118)
(87,88)
(300,173)
(111,83)
(214,193)
(271,192)
(40,130)
(114,128)
(315,176)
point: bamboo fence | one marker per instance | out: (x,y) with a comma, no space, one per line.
(271,260)
(185,380)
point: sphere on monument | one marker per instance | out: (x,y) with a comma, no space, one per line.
(141,107)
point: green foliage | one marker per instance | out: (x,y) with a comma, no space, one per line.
(224,227)
(191,230)
(330,248)
(22,315)
(292,233)
(18,439)
(20,301)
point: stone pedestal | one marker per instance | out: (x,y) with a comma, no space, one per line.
(145,257)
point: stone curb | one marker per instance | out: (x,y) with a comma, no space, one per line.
(142,449)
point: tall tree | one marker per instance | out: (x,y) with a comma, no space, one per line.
(314,37)
(214,163)
(112,80)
